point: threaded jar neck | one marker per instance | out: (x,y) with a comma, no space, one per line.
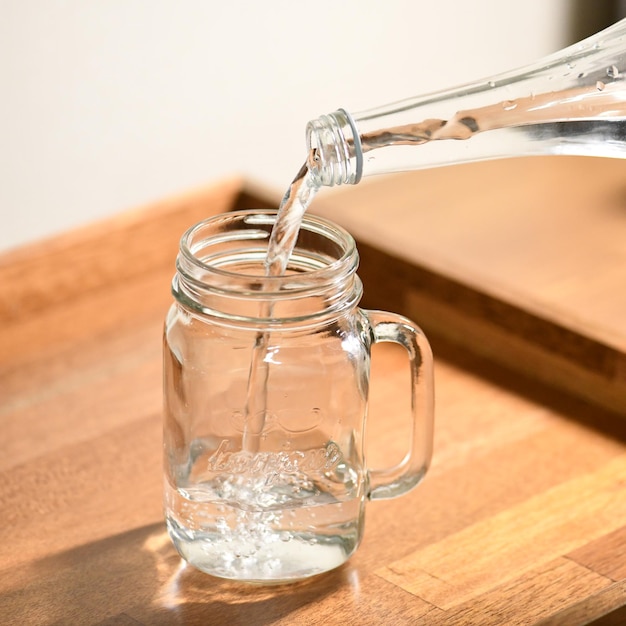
(221,271)
(334,141)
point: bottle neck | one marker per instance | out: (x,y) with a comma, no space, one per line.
(334,146)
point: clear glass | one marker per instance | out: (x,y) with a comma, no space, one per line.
(572,102)
(266,385)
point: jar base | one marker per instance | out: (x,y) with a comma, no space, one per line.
(274,561)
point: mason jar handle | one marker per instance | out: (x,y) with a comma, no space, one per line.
(397,480)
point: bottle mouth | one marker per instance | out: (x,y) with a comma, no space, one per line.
(221,269)
(335,142)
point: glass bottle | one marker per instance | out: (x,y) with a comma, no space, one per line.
(572,102)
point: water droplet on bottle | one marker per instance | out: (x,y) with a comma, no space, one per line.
(612,72)
(600,85)
(571,66)
(509,105)
(581,75)
(492,83)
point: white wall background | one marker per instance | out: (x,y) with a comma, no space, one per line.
(110,104)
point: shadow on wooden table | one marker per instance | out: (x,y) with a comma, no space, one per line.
(138,578)
(574,408)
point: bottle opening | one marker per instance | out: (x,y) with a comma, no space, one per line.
(334,140)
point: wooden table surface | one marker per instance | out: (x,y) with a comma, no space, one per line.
(521,519)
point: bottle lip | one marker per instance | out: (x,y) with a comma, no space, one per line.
(221,263)
(356,144)
(335,141)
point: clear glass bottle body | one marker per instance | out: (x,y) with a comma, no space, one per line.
(572,102)
(266,382)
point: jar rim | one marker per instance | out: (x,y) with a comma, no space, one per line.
(192,242)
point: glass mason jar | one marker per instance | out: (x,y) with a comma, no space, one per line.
(266,386)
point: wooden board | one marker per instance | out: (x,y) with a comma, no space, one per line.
(521,519)
(522,261)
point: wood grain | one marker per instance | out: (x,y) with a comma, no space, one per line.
(521,519)
(513,542)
